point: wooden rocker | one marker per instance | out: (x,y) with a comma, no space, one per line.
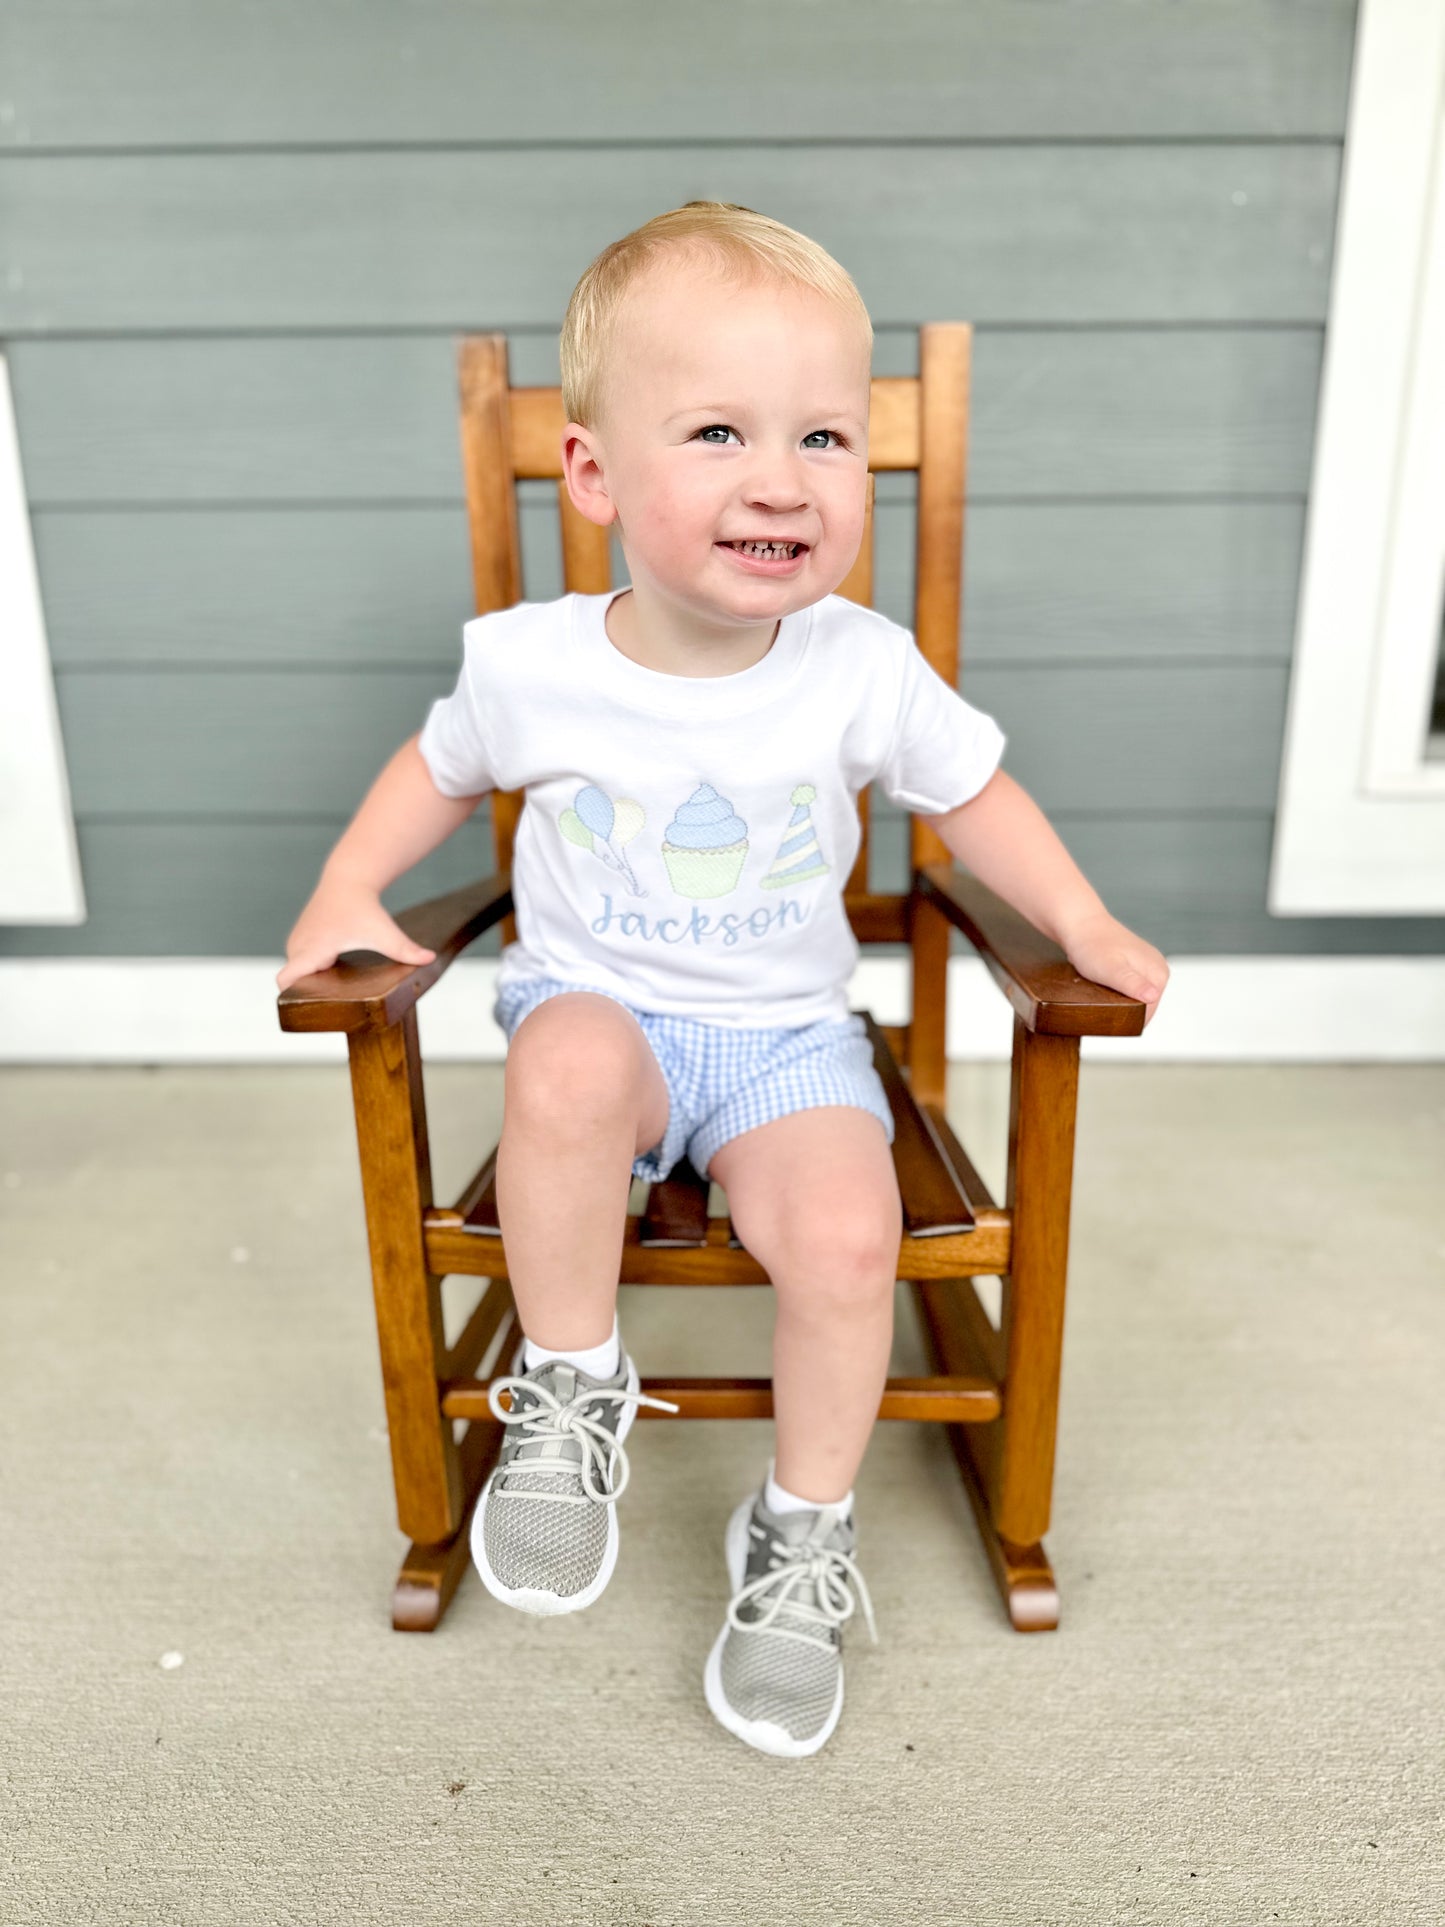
(995,1390)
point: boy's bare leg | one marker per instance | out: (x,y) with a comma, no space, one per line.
(814,1198)
(584,1095)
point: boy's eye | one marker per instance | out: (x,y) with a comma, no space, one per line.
(723,429)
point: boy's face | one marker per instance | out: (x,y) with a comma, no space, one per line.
(732,414)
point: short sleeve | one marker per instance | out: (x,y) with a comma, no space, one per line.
(943,749)
(453,742)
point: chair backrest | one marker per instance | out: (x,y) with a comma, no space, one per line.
(917,422)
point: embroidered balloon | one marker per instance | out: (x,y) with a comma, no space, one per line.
(574,829)
(594,806)
(629,817)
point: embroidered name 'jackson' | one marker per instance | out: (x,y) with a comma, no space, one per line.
(700,927)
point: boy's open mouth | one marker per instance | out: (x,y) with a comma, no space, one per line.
(767,551)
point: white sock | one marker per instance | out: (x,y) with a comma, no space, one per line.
(598,1361)
(778,1499)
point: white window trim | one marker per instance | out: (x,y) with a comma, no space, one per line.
(1361,821)
(39,862)
(1407,642)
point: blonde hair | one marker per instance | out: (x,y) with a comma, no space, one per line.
(740,245)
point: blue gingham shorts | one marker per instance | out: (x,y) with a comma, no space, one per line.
(723,1081)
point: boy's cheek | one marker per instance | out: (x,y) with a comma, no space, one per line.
(673,515)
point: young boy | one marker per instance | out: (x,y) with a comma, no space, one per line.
(692,748)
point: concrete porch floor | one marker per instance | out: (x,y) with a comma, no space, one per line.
(1239,1719)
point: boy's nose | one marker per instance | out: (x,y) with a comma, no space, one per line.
(777,479)
(783,494)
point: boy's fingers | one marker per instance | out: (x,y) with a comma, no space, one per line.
(301,967)
(399,947)
(1134,982)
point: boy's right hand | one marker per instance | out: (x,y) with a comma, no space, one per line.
(342,916)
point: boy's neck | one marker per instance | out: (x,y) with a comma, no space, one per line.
(726,657)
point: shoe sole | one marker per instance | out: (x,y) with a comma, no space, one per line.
(532,1599)
(765,1735)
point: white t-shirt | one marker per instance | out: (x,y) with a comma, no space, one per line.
(686,839)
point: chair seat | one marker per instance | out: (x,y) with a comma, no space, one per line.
(951,1226)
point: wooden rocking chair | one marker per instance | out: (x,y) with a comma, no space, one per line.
(995,1390)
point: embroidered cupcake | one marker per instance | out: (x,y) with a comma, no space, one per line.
(704,845)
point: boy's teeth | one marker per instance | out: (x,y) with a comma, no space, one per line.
(768,549)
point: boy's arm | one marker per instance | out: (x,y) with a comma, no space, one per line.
(1008,843)
(402,819)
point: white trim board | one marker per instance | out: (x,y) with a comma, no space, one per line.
(1360,827)
(39,861)
(1407,639)
(220,1010)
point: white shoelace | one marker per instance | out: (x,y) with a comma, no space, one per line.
(552,1419)
(834,1577)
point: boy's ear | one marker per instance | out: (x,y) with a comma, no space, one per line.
(582,472)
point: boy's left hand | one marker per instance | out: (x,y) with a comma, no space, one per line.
(1107,952)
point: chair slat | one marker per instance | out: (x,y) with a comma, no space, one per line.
(970,1183)
(586,549)
(487,445)
(970,1399)
(494,1305)
(476,1208)
(857,585)
(944,366)
(956,1328)
(676,1210)
(456,1249)
(857,884)
(486,427)
(878,919)
(894,413)
(933,1202)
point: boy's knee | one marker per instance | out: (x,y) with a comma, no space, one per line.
(841,1252)
(572,1059)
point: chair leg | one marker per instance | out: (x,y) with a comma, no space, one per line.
(431,1491)
(962,1343)
(1042,1107)
(1007,1463)
(431,1574)
(1024,1577)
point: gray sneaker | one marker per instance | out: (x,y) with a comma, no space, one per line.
(775,1673)
(544,1533)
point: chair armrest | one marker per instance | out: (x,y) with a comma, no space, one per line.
(1031,971)
(374,995)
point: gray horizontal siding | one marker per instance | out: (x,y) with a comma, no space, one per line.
(1191,884)
(335,588)
(1057,413)
(1099,735)
(238,246)
(206,888)
(313,587)
(1112,233)
(158,73)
